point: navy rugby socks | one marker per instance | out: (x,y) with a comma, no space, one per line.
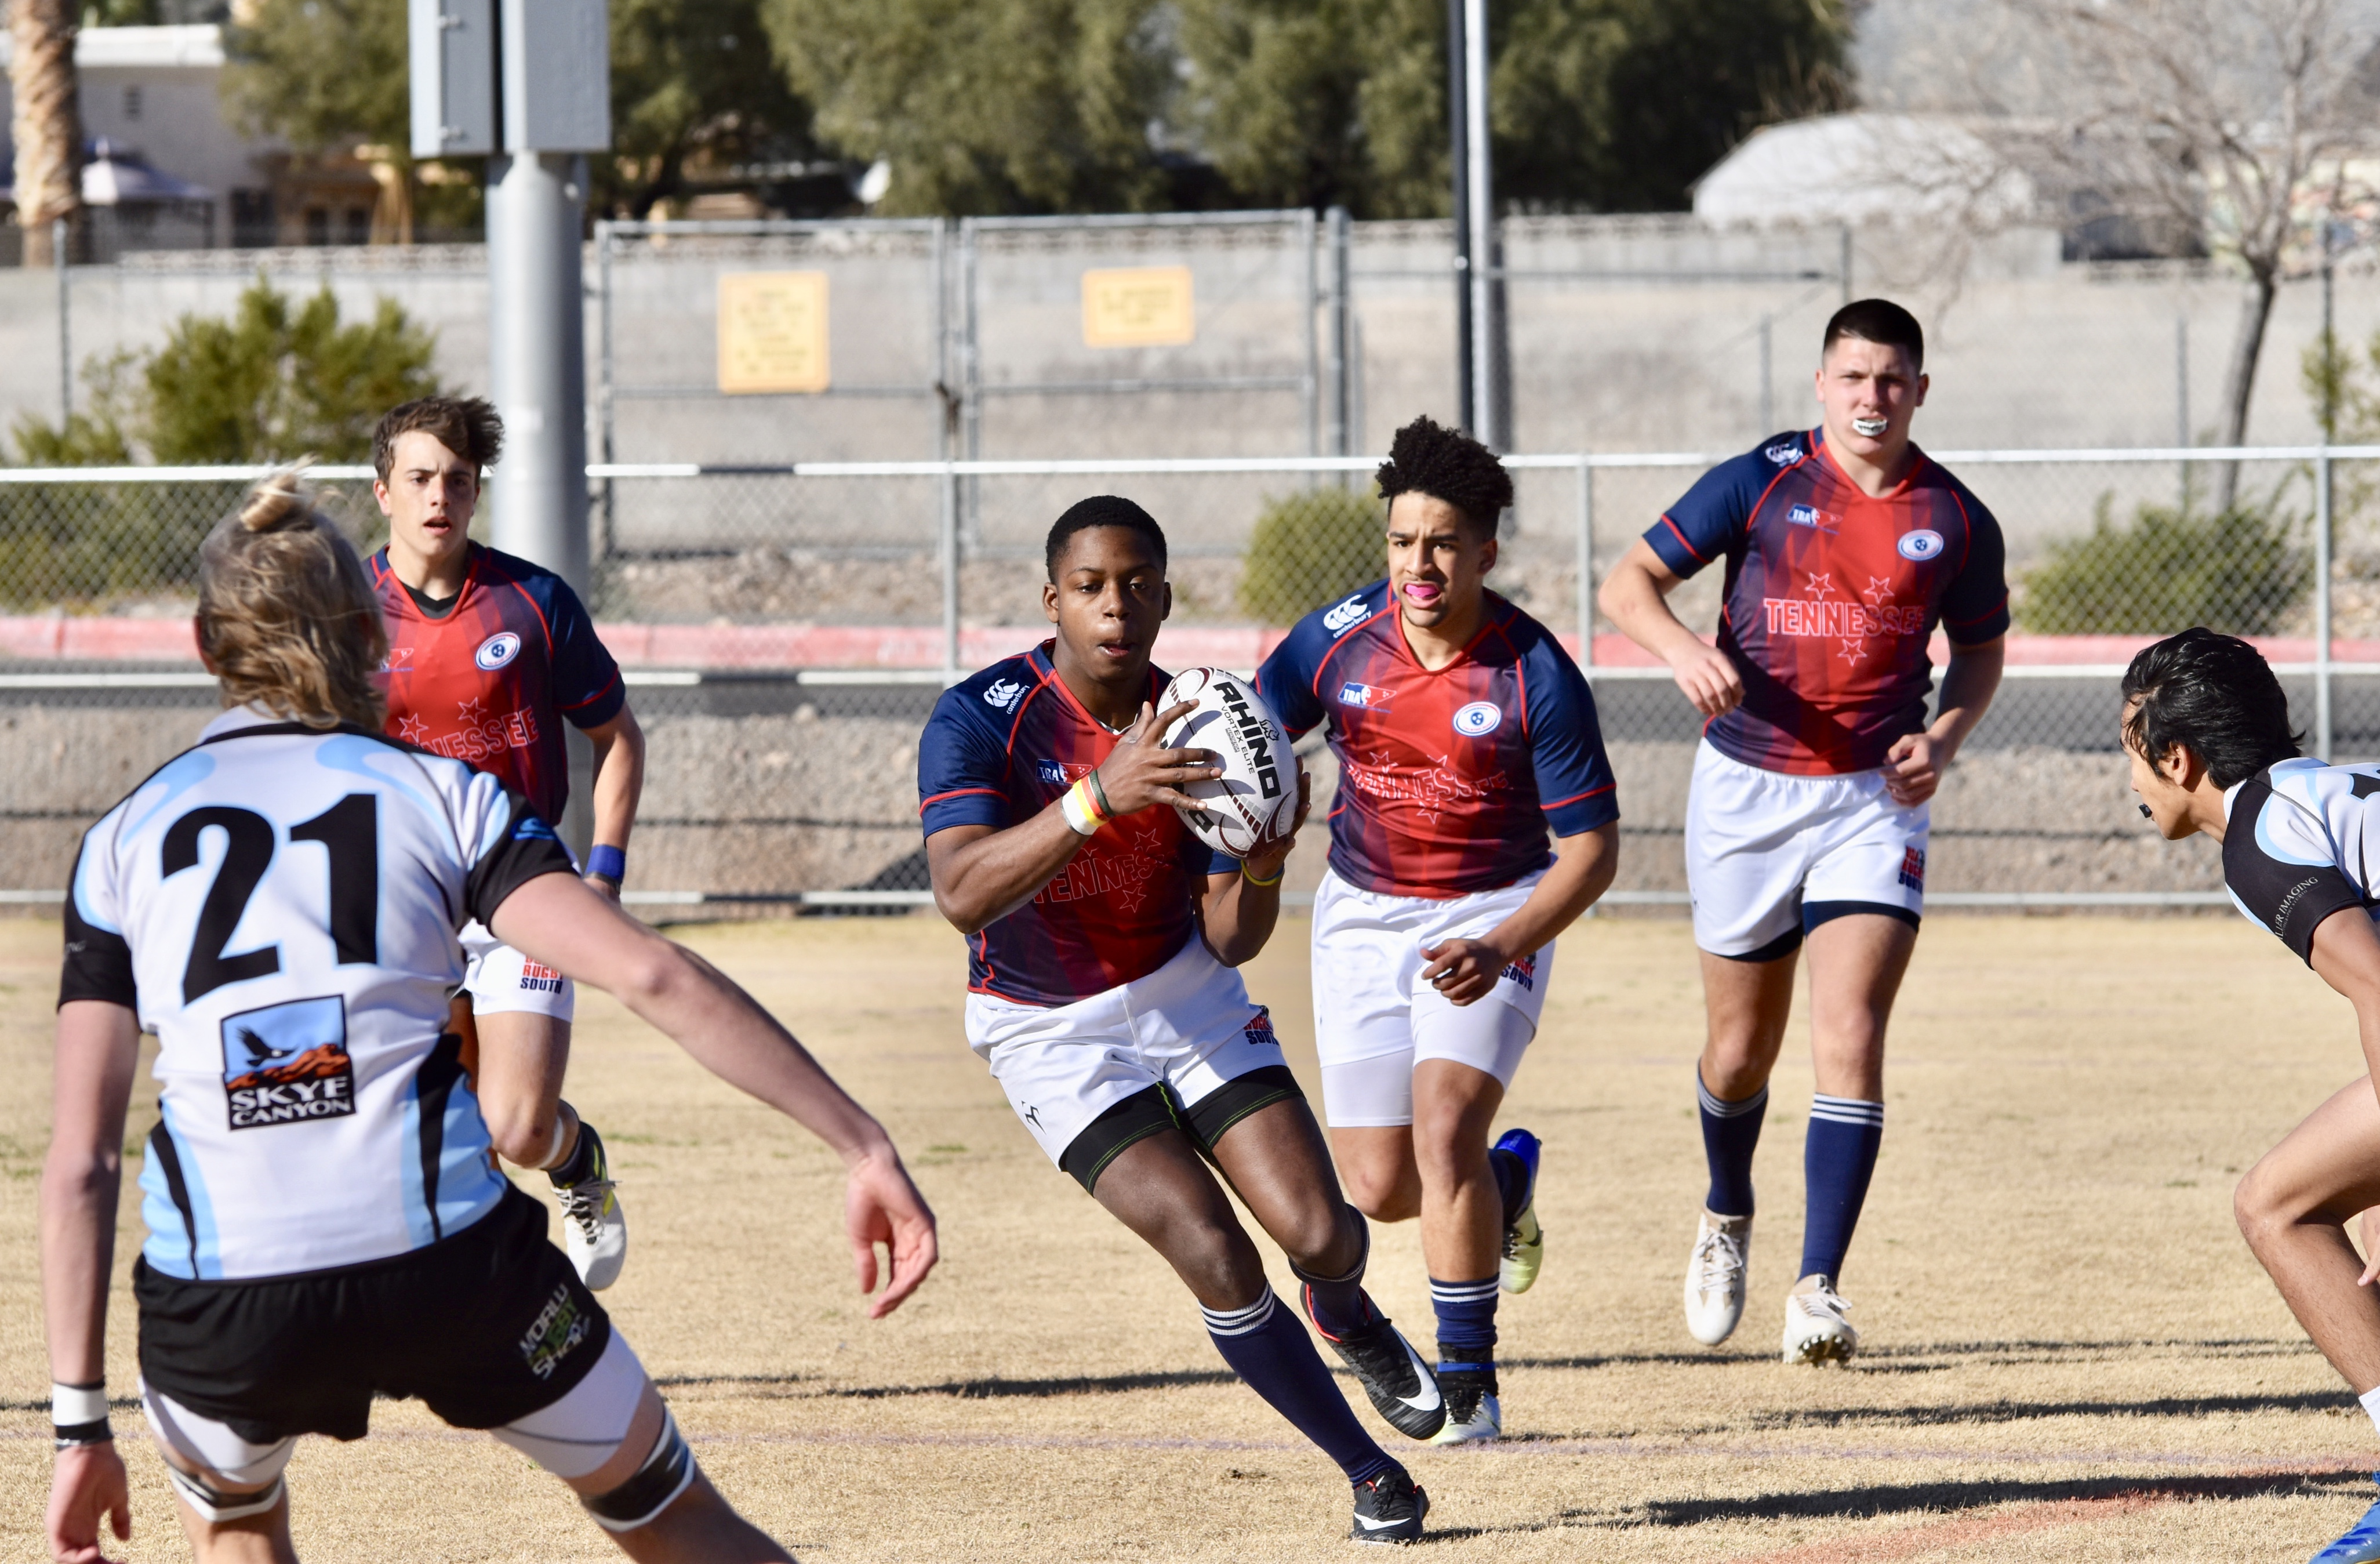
(1466,1324)
(1268,1346)
(1731,1134)
(1838,1159)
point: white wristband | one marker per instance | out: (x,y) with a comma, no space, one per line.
(1077,815)
(71,1405)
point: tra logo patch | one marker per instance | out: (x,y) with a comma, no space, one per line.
(1059,773)
(1478,719)
(288,1063)
(1804,516)
(1367,697)
(1259,1029)
(1524,971)
(1784,455)
(1913,868)
(1345,616)
(1921,544)
(1004,695)
(497,650)
(559,1328)
(540,980)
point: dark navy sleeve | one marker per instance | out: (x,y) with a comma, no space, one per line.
(98,961)
(586,686)
(525,848)
(1574,782)
(961,766)
(1287,680)
(1710,517)
(1975,609)
(2280,868)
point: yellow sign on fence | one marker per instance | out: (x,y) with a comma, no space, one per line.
(1138,306)
(772,332)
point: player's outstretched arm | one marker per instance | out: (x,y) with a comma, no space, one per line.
(98,1047)
(981,873)
(1237,911)
(1915,763)
(561,921)
(1585,863)
(619,747)
(1635,596)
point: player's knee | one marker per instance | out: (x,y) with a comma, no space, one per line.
(2257,1206)
(1383,1193)
(1217,1261)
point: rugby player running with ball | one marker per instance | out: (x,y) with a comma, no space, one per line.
(280,904)
(1102,936)
(489,655)
(1807,818)
(1463,733)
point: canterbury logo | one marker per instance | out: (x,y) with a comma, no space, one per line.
(1348,614)
(1004,695)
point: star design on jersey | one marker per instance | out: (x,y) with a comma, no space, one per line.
(472,713)
(1854,649)
(1879,591)
(1821,583)
(412,730)
(1148,841)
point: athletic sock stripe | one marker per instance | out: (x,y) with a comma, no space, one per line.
(1846,1110)
(1463,1292)
(1240,1322)
(1717,1109)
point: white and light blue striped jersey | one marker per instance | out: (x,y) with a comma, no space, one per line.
(279,905)
(2297,846)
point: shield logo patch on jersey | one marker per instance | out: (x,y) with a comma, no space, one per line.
(1478,719)
(288,1063)
(1921,544)
(497,650)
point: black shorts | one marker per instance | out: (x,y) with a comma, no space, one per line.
(1154,1108)
(486,1326)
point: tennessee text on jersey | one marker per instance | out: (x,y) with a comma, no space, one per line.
(1832,596)
(1447,777)
(1000,749)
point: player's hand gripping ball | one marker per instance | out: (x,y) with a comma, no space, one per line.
(1253,803)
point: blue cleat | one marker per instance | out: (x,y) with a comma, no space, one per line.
(1525,1240)
(2361,1543)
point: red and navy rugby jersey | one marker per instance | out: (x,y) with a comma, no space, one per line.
(1447,779)
(1832,596)
(485,683)
(998,749)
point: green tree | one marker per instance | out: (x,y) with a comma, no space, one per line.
(988,105)
(694,83)
(1308,549)
(2240,571)
(271,382)
(1602,104)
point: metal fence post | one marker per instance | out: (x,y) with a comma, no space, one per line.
(1336,225)
(970,399)
(1313,392)
(1585,563)
(2322,600)
(66,333)
(604,380)
(945,439)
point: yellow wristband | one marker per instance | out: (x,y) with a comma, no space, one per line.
(1268,884)
(1082,810)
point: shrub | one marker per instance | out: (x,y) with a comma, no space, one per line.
(1309,548)
(2238,571)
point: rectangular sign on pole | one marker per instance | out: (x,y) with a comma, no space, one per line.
(452,50)
(772,332)
(1138,306)
(557,76)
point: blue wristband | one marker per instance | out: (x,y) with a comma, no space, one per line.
(608,862)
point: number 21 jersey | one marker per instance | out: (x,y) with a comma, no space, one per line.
(278,904)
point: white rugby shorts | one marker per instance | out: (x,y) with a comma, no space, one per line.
(1770,855)
(499,978)
(1189,1025)
(1375,1018)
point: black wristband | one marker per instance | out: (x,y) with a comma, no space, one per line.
(1099,792)
(71,1433)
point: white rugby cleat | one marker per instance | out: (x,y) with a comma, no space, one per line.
(1816,1328)
(594,1230)
(1715,1278)
(1472,1411)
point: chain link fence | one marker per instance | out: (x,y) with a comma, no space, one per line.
(783,688)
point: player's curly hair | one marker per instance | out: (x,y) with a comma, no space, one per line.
(1101,510)
(469,426)
(286,615)
(2217,695)
(1426,457)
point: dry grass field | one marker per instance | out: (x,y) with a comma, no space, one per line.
(2070,1353)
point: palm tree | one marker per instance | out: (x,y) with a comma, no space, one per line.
(48,128)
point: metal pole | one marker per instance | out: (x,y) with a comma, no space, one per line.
(2182,397)
(1768,377)
(1585,564)
(2322,600)
(1483,223)
(604,380)
(1459,138)
(1844,268)
(1335,334)
(538,360)
(65,331)
(947,532)
(970,402)
(1313,393)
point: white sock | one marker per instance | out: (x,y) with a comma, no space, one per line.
(2370,1399)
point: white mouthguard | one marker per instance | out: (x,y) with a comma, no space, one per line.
(1869,428)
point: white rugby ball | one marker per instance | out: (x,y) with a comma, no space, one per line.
(1253,803)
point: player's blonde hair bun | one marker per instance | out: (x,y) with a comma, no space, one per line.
(287,617)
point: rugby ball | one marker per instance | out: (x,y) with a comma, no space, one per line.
(1253,803)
